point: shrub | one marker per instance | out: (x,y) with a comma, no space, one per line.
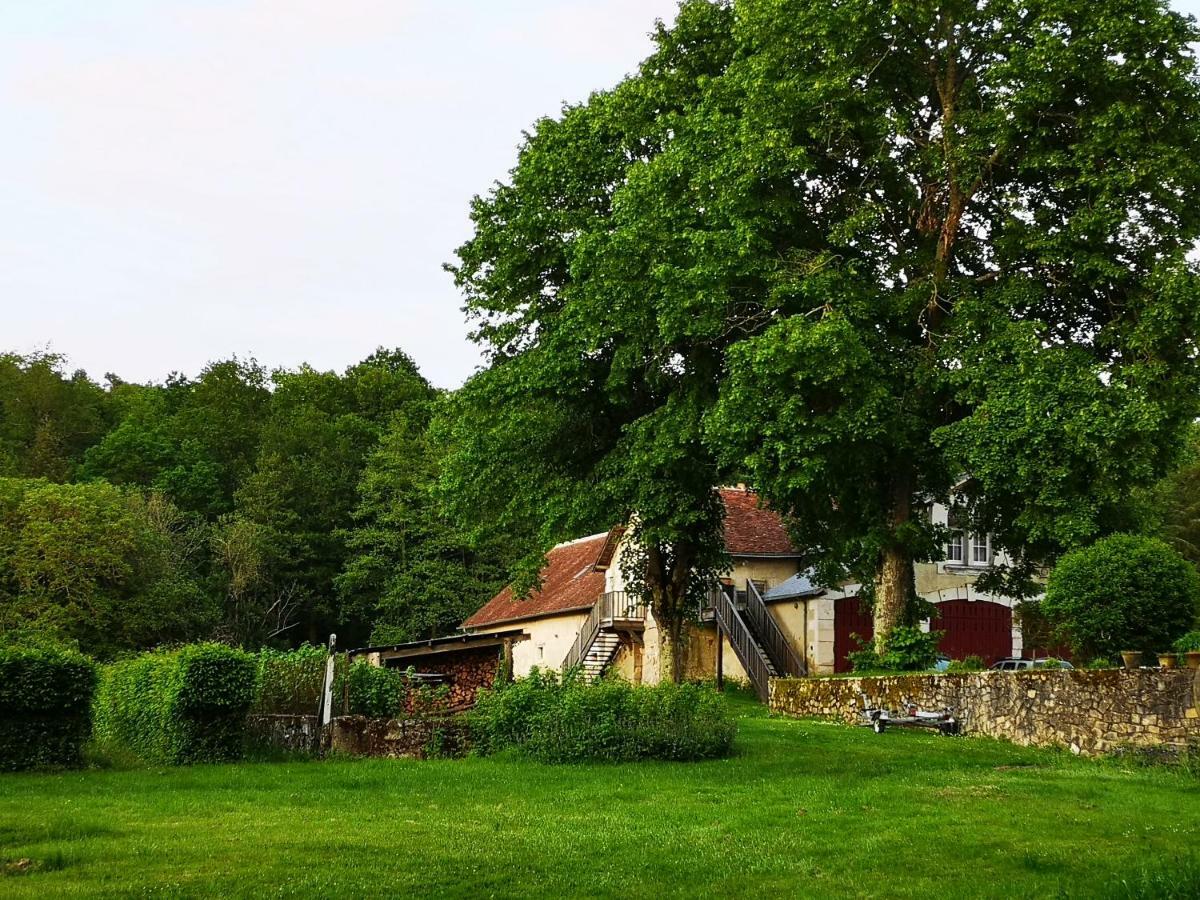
(374,691)
(1125,592)
(909,650)
(290,681)
(45,706)
(966,664)
(569,720)
(1188,643)
(178,707)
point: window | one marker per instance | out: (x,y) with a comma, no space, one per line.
(956,548)
(965,548)
(981,550)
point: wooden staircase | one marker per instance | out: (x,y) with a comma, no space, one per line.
(599,638)
(600,655)
(756,639)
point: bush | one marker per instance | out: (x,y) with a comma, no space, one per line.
(1188,643)
(45,706)
(966,664)
(374,691)
(1124,592)
(290,681)
(179,707)
(909,650)
(569,720)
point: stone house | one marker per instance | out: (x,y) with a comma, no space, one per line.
(769,618)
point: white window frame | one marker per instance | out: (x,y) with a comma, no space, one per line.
(984,542)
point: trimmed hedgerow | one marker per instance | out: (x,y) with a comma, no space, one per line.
(179,707)
(570,720)
(45,706)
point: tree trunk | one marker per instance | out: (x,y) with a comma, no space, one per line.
(667,586)
(893,587)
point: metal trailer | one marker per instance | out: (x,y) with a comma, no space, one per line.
(880,719)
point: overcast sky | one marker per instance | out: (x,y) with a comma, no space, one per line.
(182,180)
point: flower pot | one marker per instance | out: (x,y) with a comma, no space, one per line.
(1193,659)
(1167,660)
(1131,658)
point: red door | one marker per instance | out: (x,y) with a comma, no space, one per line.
(974,628)
(850,617)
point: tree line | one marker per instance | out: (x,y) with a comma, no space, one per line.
(253,506)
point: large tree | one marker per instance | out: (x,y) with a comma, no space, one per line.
(863,253)
(592,408)
(982,216)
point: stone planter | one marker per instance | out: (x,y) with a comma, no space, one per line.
(1131,658)
(1167,660)
(1193,659)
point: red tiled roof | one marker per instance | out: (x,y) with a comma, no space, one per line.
(573,578)
(753,530)
(570,581)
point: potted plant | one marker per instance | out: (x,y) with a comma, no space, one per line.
(1167,660)
(1131,658)
(1189,646)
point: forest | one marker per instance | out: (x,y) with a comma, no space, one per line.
(259,508)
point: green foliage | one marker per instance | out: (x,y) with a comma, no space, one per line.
(966,664)
(1187,643)
(107,569)
(48,418)
(911,258)
(382,693)
(195,441)
(179,707)
(45,705)
(411,570)
(569,720)
(1125,592)
(290,681)
(909,650)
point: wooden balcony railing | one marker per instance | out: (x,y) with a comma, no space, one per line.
(748,652)
(613,607)
(785,659)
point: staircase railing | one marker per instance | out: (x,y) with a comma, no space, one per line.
(785,659)
(618,605)
(752,658)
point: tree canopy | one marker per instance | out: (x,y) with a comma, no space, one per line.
(863,254)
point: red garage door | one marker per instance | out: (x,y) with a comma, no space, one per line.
(850,618)
(974,627)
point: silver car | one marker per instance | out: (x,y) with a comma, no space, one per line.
(1012,664)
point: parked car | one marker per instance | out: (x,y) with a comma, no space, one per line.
(1012,664)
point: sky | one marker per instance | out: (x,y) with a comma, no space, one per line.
(185,180)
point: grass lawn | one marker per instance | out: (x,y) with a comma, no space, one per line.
(804,809)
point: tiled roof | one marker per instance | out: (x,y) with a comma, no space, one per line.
(751,529)
(570,581)
(573,578)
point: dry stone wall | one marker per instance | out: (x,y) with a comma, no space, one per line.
(1091,712)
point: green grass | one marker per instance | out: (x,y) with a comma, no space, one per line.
(804,809)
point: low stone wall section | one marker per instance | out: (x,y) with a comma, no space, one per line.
(1090,712)
(412,738)
(288,732)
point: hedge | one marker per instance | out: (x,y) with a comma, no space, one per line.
(570,720)
(179,707)
(290,681)
(45,706)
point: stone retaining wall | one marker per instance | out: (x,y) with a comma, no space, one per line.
(1091,712)
(288,732)
(416,738)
